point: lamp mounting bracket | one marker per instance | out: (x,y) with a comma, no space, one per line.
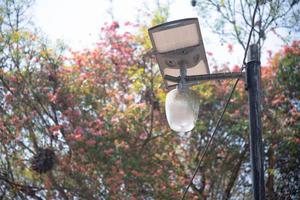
(182,84)
(193,79)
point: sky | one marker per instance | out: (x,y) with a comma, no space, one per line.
(77,22)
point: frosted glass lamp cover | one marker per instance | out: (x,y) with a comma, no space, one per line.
(182,109)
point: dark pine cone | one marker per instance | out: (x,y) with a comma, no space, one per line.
(43,161)
(193,2)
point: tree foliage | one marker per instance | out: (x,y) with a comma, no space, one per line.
(232,19)
(92,125)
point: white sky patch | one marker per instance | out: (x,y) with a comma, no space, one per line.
(78,23)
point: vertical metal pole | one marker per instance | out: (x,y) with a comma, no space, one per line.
(256,147)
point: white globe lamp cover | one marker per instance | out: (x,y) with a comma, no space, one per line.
(182,109)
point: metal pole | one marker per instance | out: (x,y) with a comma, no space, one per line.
(256,147)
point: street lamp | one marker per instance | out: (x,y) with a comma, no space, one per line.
(180,54)
(179,51)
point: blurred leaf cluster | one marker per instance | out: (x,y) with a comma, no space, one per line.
(100,111)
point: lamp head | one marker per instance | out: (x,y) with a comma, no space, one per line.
(179,51)
(178,44)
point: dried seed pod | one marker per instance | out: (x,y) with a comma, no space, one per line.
(43,161)
(193,2)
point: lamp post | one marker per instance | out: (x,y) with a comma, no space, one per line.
(180,54)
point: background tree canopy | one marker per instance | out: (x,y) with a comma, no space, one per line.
(92,125)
